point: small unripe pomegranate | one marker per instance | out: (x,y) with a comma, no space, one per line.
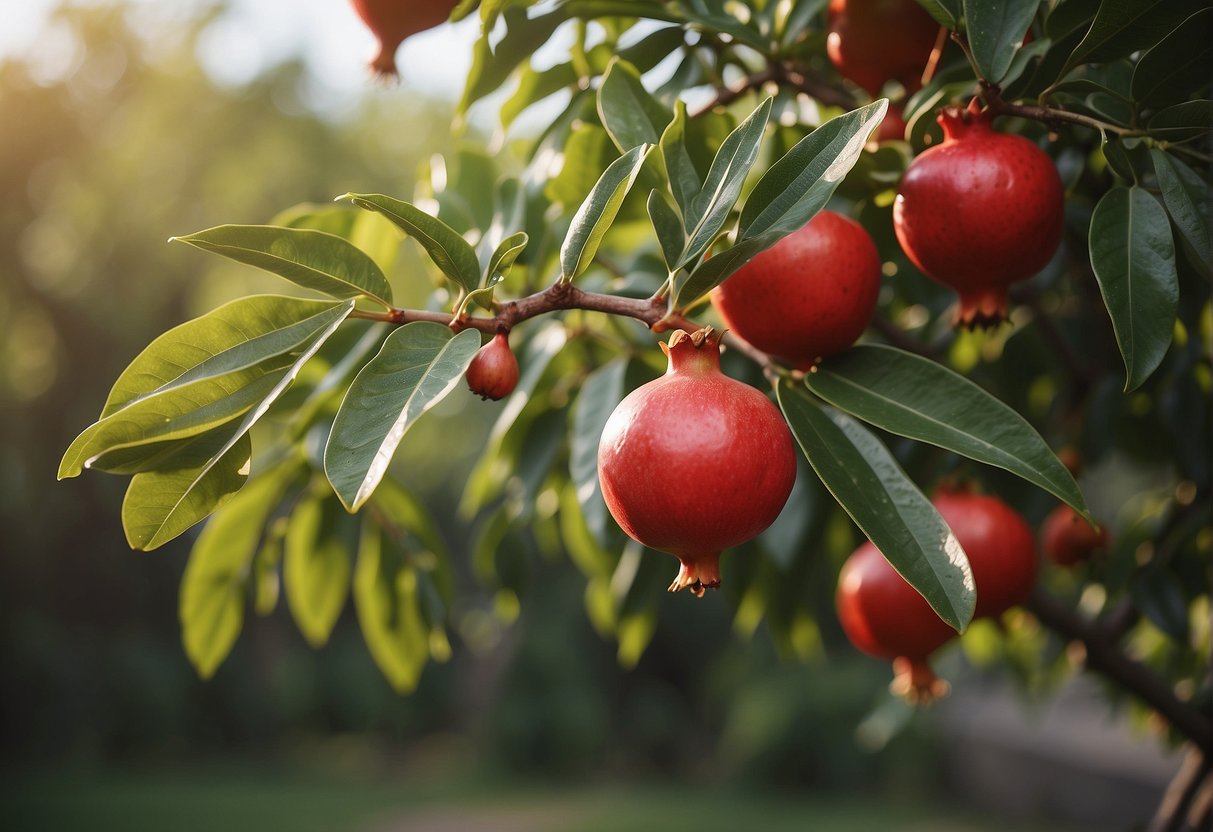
(1000,546)
(493,373)
(695,462)
(1068,539)
(808,296)
(874,41)
(392,21)
(978,212)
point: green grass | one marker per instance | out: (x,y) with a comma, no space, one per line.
(262,799)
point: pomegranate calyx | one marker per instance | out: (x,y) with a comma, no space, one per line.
(984,308)
(698,574)
(693,352)
(956,121)
(916,683)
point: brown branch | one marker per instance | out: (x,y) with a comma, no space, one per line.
(1054,117)
(1107,658)
(727,95)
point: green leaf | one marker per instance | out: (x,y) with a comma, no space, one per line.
(1122,27)
(312,259)
(596,214)
(266,563)
(1178,64)
(668,226)
(710,208)
(418,365)
(946,12)
(629,113)
(684,180)
(202,374)
(995,29)
(915,397)
(533,86)
(499,266)
(492,64)
(1188,120)
(602,391)
(213,586)
(716,269)
(161,504)
(871,487)
(385,598)
(1186,196)
(453,255)
(1133,256)
(316,566)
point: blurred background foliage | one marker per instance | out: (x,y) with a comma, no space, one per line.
(131,143)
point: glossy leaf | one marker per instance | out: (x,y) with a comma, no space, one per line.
(1186,196)
(668,227)
(1122,27)
(946,12)
(312,259)
(385,598)
(602,391)
(452,254)
(915,397)
(213,586)
(1180,62)
(684,180)
(500,264)
(316,564)
(1133,256)
(995,30)
(629,113)
(1189,120)
(596,214)
(871,487)
(418,365)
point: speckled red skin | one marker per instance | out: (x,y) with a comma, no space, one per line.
(1000,546)
(1068,539)
(394,20)
(695,462)
(493,373)
(810,295)
(979,212)
(874,41)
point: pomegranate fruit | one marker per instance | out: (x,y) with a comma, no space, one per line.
(493,373)
(893,127)
(391,21)
(1000,546)
(694,462)
(978,212)
(874,41)
(808,296)
(1068,539)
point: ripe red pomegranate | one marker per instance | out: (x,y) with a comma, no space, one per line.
(1000,546)
(695,462)
(1068,539)
(493,373)
(893,127)
(874,41)
(979,212)
(808,296)
(394,20)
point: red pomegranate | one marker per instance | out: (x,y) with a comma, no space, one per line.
(808,296)
(695,462)
(893,127)
(874,41)
(394,20)
(1000,546)
(493,373)
(979,212)
(1068,539)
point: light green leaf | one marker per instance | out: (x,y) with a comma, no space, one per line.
(453,255)
(598,211)
(316,567)
(1133,256)
(1186,196)
(213,586)
(418,365)
(312,259)
(871,487)
(995,29)
(265,575)
(385,598)
(915,397)
(629,113)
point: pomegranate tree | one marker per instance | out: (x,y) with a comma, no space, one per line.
(695,462)
(979,212)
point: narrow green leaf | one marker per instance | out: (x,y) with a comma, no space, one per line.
(418,365)
(493,63)
(684,180)
(498,268)
(316,566)
(871,487)
(385,598)
(602,391)
(312,259)
(946,12)
(213,586)
(915,397)
(1122,27)
(533,86)
(668,226)
(453,255)
(267,582)
(1178,64)
(1186,196)
(629,113)
(1133,256)
(995,29)
(1188,120)
(598,211)
(716,269)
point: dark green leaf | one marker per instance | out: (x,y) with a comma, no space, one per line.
(312,259)
(1178,64)
(946,12)
(628,112)
(1133,256)
(596,214)
(602,391)
(419,364)
(884,503)
(668,226)
(684,180)
(1188,120)
(915,397)
(1122,27)
(492,64)
(716,269)
(995,29)
(316,566)
(1186,196)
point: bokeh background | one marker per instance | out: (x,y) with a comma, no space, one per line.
(123,123)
